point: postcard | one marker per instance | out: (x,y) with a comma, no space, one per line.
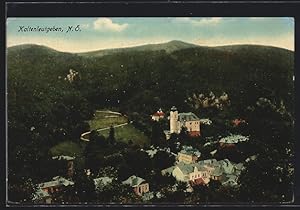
(150,110)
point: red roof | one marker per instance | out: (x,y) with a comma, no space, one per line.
(194,133)
(159,114)
(237,122)
(198,181)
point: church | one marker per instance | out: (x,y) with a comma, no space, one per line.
(185,119)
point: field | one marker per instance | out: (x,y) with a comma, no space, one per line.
(106,119)
(127,133)
(66,148)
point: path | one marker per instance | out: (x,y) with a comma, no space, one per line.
(102,129)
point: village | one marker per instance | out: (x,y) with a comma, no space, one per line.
(189,167)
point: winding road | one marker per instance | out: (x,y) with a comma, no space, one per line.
(82,136)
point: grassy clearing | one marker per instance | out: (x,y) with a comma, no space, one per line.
(127,133)
(124,133)
(66,148)
(103,120)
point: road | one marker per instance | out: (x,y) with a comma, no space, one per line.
(102,129)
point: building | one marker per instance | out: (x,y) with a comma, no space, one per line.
(158,115)
(139,185)
(56,184)
(167,171)
(236,122)
(188,120)
(217,174)
(205,170)
(191,172)
(231,140)
(188,155)
(205,121)
(41,197)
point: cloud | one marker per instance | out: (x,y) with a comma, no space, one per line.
(106,24)
(200,21)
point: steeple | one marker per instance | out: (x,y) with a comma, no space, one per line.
(173,120)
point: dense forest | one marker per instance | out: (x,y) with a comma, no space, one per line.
(52,94)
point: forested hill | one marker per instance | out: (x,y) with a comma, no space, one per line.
(146,77)
(168,47)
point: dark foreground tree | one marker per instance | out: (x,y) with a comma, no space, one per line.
(269,178)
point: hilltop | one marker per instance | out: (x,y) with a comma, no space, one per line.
(169,47)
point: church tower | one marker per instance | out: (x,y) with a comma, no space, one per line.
(173,120)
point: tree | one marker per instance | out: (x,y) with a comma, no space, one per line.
(162,160)
(157,134)
(139,162)
(84,187)
(201,193)
(116,192)
(183,135)
(111,137)
(270,177)
(179,195)
(21,191)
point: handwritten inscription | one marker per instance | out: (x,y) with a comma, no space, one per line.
(47,29)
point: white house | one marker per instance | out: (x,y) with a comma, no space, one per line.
(191,173)
(188,155)
(188,120)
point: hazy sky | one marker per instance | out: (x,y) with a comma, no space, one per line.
(103,33)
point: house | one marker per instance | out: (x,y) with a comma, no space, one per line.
(56,184)
(179,120)
(188,155)
(167,171)
(251,158)
(236,122)
(217,174)
(206,121)
(203,171)
(231,140)
(151,152)
(230,180)
(139,185)
(191,172)
(70,163)
(158,115)
(227,166)
(41,197)
(44,191)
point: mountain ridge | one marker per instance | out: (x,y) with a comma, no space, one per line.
(169,47)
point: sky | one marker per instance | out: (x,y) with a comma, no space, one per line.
(106,33)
